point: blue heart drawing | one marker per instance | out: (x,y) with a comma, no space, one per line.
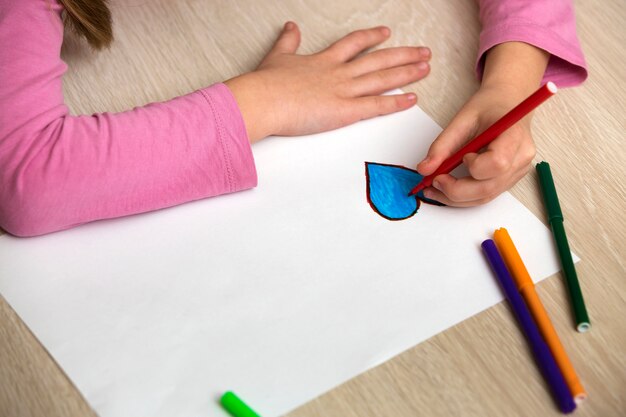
(388,188)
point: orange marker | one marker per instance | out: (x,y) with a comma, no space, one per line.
(526,287)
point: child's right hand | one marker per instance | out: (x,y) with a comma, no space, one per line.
(291,94)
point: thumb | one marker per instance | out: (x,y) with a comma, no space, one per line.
(288,41)
(451,139)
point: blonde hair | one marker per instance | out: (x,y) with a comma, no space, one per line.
(90,19)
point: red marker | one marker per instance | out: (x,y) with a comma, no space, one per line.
(495,130)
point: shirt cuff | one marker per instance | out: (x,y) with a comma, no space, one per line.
(237,154)
(566,66)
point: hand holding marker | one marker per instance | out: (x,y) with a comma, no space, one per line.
(489,135)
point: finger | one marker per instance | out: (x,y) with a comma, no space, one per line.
(388,58)
(380,81)
(288,41)
(503,155)
(367,107)
(462,128)
(356,42)
(467,189)
(434,194)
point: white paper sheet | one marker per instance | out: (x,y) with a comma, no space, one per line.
(278,293)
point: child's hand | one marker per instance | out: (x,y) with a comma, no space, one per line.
(513,70)
(291,94)
(504,162)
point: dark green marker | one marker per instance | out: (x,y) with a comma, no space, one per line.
(235,406)
(555,217)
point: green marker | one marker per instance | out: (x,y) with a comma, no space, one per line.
(555,217)
(235,406)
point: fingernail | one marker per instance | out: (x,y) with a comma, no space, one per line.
(411,97)
(424,52)
(289,25)
(428,193)
(425,160)
(423,66)
(385,30)
(436,184)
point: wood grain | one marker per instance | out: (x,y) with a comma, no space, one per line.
(481,367)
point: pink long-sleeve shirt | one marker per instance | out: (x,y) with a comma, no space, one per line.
(58,171)
(549,25)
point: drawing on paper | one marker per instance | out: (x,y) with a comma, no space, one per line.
(388,188)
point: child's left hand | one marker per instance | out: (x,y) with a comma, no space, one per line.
(504,162)
(513,71)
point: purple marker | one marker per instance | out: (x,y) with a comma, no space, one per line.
(544,358)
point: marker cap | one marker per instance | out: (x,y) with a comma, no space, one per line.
(549,191)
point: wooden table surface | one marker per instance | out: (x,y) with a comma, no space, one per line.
(481,367)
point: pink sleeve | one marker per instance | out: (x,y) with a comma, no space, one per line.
(58,171)
(549,25)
